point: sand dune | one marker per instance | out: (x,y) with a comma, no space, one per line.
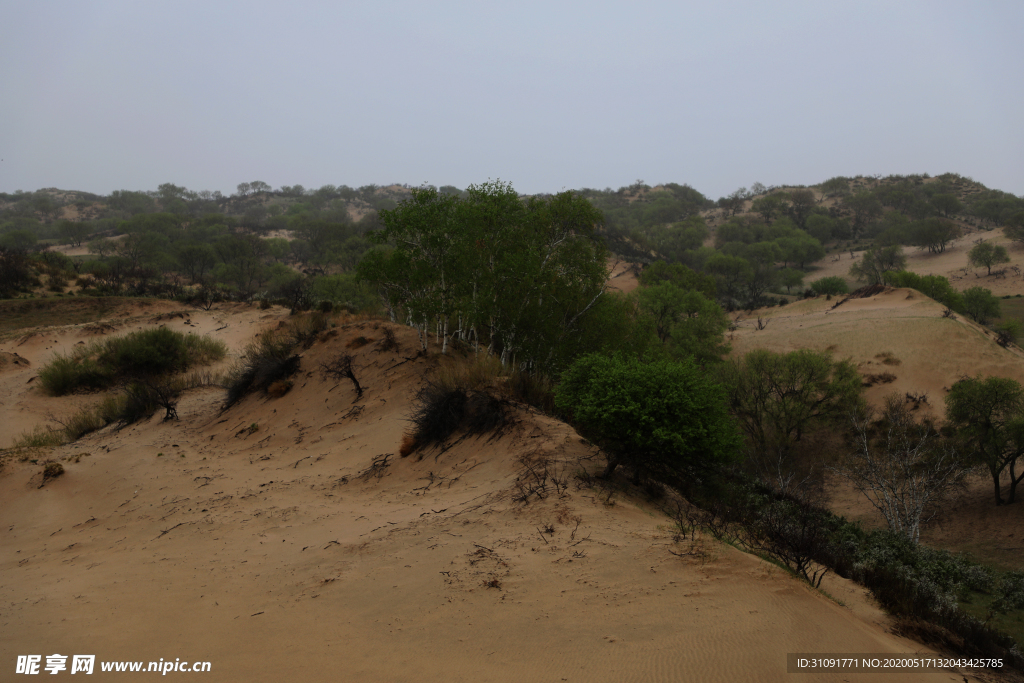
(256,539)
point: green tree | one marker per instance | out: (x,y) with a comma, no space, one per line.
(989,415)
(800,249)
(664,419)
(1014,228)
(865,208)
(196,260)
(73,232)
(835,187)
(820,227)
(680,275)
(981,304)
(15,271)
(831,285)
(777,397)
(878,262)
(686,321)
(947,205)
(770,207)
(801,202)
(988,255)
(934,234)
(516,275)
(18,240)
(791,277)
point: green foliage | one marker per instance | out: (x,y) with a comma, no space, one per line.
(665,419)
(679,275)
(878,263)
(1009,331)
(934,234)
(791,277)
(517,275)
(989,415)
(777,397)
(686,321)
(770,207)
(935,286)
(821,227)
(835,187)
(988,255)
(864,207)
(800,249)
(142,354)
(831,285)
(15,272)
(344,289)
(616,324)
(981,304)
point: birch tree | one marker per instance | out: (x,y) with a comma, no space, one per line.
(902,467)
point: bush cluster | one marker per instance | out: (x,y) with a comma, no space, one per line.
(473,398)
(143,354)
(270,357)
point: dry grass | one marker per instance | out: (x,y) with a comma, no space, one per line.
(279,388)
(887,358)
(409,445)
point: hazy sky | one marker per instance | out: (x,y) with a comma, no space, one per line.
(109,94)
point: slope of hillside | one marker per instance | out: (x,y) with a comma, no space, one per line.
(899,332)
(261,539)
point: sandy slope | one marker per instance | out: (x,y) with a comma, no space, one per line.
(23,405)
(933,351)
(249,539)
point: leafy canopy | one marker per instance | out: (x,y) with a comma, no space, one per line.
(663,418)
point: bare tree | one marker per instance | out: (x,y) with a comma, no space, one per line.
(903,467)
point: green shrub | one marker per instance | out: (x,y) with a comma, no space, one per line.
(935,286)
(144,354)
(664,419)
(832,284)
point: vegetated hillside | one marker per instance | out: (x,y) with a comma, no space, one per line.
(898,338)
(293,521)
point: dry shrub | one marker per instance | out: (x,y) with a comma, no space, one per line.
(358,342)
(339,368)
(267,359)
(388,341)
(305,328)
(52,470)
(888,358)
(279,388)
(408,446)
(880,378)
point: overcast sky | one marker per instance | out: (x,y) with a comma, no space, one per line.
(104,95)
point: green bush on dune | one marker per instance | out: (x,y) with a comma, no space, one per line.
(147,353)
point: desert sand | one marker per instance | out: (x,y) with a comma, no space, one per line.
(262,540)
